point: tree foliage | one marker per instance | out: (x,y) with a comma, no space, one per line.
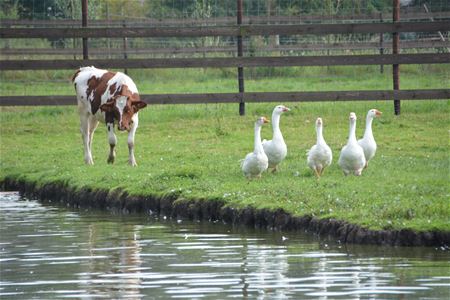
(114,9)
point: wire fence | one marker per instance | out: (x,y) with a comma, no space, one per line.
(213,13)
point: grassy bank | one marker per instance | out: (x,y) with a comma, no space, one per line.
(194,151)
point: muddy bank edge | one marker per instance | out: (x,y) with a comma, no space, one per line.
(216,210)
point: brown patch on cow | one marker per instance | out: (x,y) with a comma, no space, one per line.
(109,118)
(112,89)
(98,86)
(135,97)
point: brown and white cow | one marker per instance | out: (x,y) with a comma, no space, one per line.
(107,97)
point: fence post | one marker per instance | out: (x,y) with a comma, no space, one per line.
(125,46)
(84,17)
(381,44)
(395,50)
(240,54)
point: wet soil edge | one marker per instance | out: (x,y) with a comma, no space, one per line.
(216,210)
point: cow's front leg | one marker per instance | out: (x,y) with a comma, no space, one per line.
(85,135)
(131,134)
(112,139)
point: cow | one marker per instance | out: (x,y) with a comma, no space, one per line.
(107,97)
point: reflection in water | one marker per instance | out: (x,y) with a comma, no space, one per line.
(49,252)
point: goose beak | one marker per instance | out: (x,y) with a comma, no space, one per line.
(265,120)
(378,113)
(285,109)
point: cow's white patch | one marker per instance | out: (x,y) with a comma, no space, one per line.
(121,102)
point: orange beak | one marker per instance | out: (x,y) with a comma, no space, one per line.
(378,113)
(265,120)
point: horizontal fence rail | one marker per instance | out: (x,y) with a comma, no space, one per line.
(242,30)
(154,99)
(285,61)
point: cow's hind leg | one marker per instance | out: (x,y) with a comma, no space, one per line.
(85,135)
(112,139)
(131,134)
(93,123)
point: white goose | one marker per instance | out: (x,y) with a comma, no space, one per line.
(256,162)
(320,155)
(368,142)
(276,148)
(352,158)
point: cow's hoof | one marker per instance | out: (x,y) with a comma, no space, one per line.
(132,163)
(110,160)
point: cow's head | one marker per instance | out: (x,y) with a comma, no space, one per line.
(123,108)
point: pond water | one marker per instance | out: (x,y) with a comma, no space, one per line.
(56,253)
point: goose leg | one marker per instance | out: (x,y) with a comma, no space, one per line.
(317,172)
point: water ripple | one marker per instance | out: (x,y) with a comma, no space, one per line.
(50,252)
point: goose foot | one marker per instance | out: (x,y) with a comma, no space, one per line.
(317,171)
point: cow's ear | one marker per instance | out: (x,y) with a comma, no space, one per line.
(137,105)
(107,107)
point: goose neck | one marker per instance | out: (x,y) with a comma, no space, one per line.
(319,135)
(368,131)
(258,145)
(352,132)
(276,126)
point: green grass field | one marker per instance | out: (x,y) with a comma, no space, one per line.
(194,152)
(169,81)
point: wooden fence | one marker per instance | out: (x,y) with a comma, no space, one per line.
(236,30)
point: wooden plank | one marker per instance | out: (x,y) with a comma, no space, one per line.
(344,28)
(270,61)
(346,95)
(103,51)
(130,32)
(37,100)
(363,95)
(244,30)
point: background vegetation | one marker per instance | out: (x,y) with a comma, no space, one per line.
(36,9)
